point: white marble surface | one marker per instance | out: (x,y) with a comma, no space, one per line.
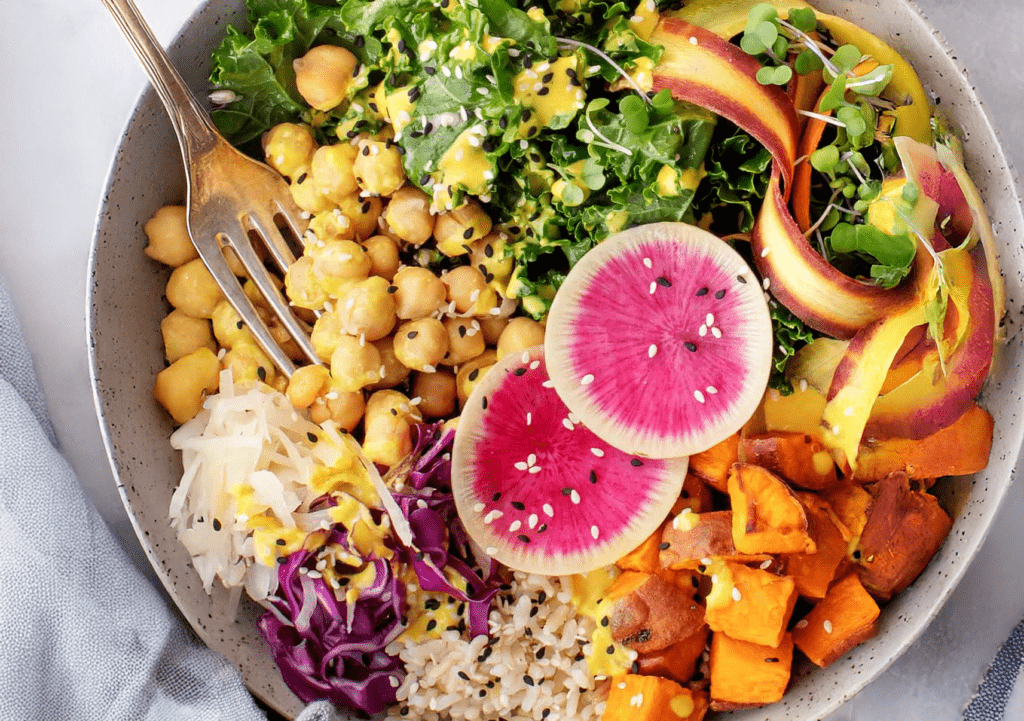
(68,82)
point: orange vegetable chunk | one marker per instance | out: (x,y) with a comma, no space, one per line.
(800,458)
(904,529)
(956,450)
(767,517)
(633,697)
(843,619)
(648,613)
(712,466)
(814,572)
(749,604)
(694,539)
(679,661)
(850,502)
(747,675)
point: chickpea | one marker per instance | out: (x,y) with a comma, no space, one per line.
(193,290)
(343,260)
(304,193)
(419,293)
(363,214)
(228,327)
(326,332)
(181,386)
(472,373)
(256,295)
(345,408)
(281,336)
(355,364)
(231,258)
(520,334)
(288,148)
(437,393)
(332,171)
(383,254)
(367,309)
(324,75)
(248,364)
(184,334)
(169,241)
(456,229)
(408,215)
(332,224)
(394,371)
(421,344)
(305,385)
(468,290)
(388,419)
(489,256)
(378,167)
(492,328)
(465,342)
(302,285)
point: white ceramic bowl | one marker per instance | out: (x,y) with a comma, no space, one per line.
(127,304)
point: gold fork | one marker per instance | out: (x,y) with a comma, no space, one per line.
(231,197)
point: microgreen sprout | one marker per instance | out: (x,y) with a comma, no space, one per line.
(598,104)
(570,43)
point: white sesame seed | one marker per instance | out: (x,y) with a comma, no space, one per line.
(802,623)
(535,365)
(693,40)
(515,526)
(494,311)
(526,356)
(521,466)
(765,564)
(535,469)
(490,550)
(848,411)
(568,424)
(332,396)
(652,351)
(446,71)
(637,19)
(574,496)
(803,384)
(648,263)
(766,282)
(493,515)
(835,430)
(710,319)
(764,253)
(597,452)
(531,459)
(587,379)
(699,396)
(532,520)
(458,72)
(551,384)
(654,286)
(529,418)
(828,626)
(548,510)
(702,331)
(429,369)
(478,507)
(711,390)
(594,532)
(736,594)
(716,332)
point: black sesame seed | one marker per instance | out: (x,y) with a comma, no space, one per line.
(365,207)
(503,122)
(351,134)
(281,560)
(356,69)
(392,289)
(534,611)
(239,325)
(490,684)
(311,436)
(412,334)
(428,128)
(489,250)
(467,233)
(404,711)
(401,46)
(414,93)
(540,653)
(692,347)
(610,649)
(548,78)
(566,491)
(394,411)
(529,633)
(702,291)
(462,331)
(519,371)
(528,61)
(425,178)
(515,230)
(635,462)
(545,713)
(484,403)
(216,524)
(771,660)
(466,247)
(497,497)
(577,657)
(482,693)
(429,69)
(741,279)
(301,179)
(664,282)
(543,527)
(542,597)
(720,294)
(593,476)
(280,542)
(431,625)
(261,373)
(533,128)
(472,376)
(432,604)
(664,546)
(366,150)
(527,114)
(605,621)
(461,609)
(523,537)
(634,667)
(488,278)
(344,581)
(528,680)
(544,91)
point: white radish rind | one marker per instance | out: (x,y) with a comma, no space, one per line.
(701,309)
(548,496)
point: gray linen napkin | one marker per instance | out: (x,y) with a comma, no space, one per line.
(83,635)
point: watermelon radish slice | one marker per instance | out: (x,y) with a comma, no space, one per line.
(541,493)
(660,340)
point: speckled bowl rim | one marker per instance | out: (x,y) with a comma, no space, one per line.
(911,628)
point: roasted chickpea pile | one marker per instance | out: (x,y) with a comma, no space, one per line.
(400,342)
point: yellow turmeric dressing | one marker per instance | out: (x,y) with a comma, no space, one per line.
(547,99)
(588,595)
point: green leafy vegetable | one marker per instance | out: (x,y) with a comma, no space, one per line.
(790,336)
(893,253)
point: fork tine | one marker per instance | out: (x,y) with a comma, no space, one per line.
(259,275)
(213,258)
(274,241)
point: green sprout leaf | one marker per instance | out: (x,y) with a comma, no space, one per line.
(751,44)
(634,113)
(935,314)
(593,174)
(762,12)
(825,159)
(803,19)
(846,58)
(872,83)
(910,193)
(767,32)
(807,62)
(769,75)
(834,98)
(572,195)
(893,253)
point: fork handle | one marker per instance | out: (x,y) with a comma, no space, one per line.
(196,132)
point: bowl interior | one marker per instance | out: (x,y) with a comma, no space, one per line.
(126,305)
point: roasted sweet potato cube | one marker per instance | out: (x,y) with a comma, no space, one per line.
(749,604)
(957,450)
(904,529)
(850,502)
(694,539)
(648,613)
(841,620)
(696,495)
(632,697)
(746,675)
(712,466)
(678,661)
(800,458)
(814,572)
(643,558)
(767,517)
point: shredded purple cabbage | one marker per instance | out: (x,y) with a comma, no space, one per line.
(322,658)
